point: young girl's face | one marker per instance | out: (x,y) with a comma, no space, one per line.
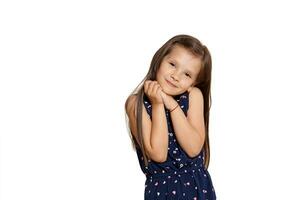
(178,71)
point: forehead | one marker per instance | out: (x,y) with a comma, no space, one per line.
(185,59)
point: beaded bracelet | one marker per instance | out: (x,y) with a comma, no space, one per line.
(174,108)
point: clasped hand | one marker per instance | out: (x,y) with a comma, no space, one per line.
(157,96)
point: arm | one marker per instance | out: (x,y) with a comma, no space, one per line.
(159,133)
(190,130)
(155,132)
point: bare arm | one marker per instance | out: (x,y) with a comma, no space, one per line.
(190,130)
(155,132)
(159,132)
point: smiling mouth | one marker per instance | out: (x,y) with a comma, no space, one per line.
(170,83)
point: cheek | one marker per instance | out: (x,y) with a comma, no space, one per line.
(187,83)
(160,75)
(162,71)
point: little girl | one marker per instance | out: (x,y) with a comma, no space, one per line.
(169,119)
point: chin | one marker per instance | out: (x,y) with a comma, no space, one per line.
(170,92)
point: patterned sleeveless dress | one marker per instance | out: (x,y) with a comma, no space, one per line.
(179,177)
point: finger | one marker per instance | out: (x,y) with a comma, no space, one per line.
(156,89)
(146,86)
(151,87)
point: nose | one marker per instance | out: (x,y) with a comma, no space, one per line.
(174,76)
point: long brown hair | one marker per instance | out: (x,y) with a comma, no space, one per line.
(203,82)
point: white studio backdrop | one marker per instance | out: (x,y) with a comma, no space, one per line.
(67,67)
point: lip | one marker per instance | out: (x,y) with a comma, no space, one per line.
(171,84)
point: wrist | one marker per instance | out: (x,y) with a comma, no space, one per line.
(158,104)
(174,108)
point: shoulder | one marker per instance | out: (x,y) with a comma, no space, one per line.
(130,107)
(195,94)
(195,114)
(131,110)
(130,103)
(196,100)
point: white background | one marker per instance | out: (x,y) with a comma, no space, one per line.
(67,68)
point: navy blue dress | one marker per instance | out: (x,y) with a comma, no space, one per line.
(179,177)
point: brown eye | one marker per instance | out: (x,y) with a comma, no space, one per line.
(188,75)
(172,64)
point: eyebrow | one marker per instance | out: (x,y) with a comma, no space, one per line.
(189,71)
